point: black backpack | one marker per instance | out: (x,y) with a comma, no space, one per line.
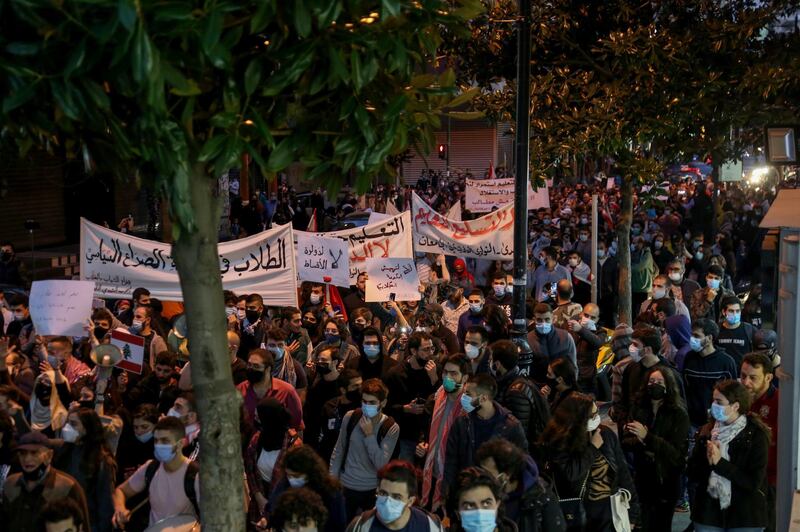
(188,481)
(355,417)
(540,411)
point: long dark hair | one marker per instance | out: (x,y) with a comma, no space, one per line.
(303,459)
(566,430)
(735,392)
(673,398)
(95,447)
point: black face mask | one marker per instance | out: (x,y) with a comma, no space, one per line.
(309,326)
(87,404)
(43,393)
(323,369)
(163,380)
(252,315)
(552,383)
(36,475)
(100,333)
(254,376)
(353,396)
(656,391)
(5,256)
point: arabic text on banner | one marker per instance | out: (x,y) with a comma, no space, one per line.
(489,237)
(118,263)
(484,194)
(391,279)
(387,238)
(132,348)
(319,258)
(61,308)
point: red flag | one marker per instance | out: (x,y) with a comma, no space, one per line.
(491,170)
(336,301)
(312,223)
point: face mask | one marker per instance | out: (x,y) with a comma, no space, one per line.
(509,289)
(254,376)
(315,299)
(699,255)
(472,351)
(296,482)
(584,221)
(450,385)
(323,369)
(658,244)
(146,437)
(369,410)
(163,452)
(544,328)
(100,333)
(636,355)
(136,327)
(332,338)
(713,283)
(546,221)
(241,314)
(601,253)
(19,316)
(467,404)
(173,413)
(675,277)
(229,311)
(499,290)
(636,230)
(656,391)
(69,434)
(389,510)
(573,262)
(475,307)
(659,293)
(480,520)
(588,323)
(695,344)
(583,238)
(252,315)
(593,423)
(718,412)
(353,396)
(372,351)
(36,475)
(277,352)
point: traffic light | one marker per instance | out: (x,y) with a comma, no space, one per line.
(442,149)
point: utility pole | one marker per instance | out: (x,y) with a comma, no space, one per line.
(522,154)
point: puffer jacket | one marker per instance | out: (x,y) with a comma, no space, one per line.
(524,399)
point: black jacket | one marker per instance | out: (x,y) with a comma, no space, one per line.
(462,445)
(371,370)
(148,391)
(405,385)
(524,399)
(659,461)
(747,471)
(587,345)
(534,506)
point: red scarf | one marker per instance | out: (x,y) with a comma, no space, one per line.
(440,428)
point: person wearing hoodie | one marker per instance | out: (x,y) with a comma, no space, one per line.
(461,277)
(528,500)
(483,420)
(499,295)
(678,330)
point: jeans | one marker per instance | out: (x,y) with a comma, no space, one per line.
(705,528)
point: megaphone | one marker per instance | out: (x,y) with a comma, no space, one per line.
(106,355)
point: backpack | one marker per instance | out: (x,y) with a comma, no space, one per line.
(540,411)
(188,481)
(543,500)
(355,417)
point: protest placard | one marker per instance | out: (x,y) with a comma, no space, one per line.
(132,347)
(61,308)
(489,237)
(322,260)
(391,279)
(118,263)
(482,195)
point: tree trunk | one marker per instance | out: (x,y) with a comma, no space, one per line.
(624,251)
(195,254)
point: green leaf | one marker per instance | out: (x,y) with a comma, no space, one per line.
(256,155)
(212,148)
(464,97)
(423,80)
(263,130)
(213,30)
(466,115)
(252,76)
(97,94)
(23,48)
(282,156)
(126,14)
(329,13)
(390,7)
(362,119)
(302,18)
(224,120)
(355,67)
(338,68)
(63,96)
(396,106)
(19,97)
(263,15)
(75,59)
(142,59)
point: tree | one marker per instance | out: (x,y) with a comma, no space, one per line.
(174,92)
(640,83)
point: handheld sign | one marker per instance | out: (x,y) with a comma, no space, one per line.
(322,260)
(61,308)
(132,348)
(391,280)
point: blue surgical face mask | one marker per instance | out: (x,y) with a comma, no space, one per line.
(544,328)
(389,510)
(733,317)
(277,352)
(480,520)
(718,412)
(53,361)
(369,410)
(164,452)
(475,307)
(466,403)
(713,283)
(296,482)
(450,385)
(372,351)
(695,344)
(472,351)
(146,437)
(136,327)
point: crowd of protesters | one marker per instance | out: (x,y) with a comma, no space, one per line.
(422,415)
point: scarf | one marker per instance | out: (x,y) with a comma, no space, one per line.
(53,415)
(440,428)
(285,371)
(719,487)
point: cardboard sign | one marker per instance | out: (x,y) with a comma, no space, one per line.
(322,260)
(482,195)
(61,308)
(132,347)
(391,279)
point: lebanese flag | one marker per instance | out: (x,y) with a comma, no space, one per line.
(491,171)
(312,223)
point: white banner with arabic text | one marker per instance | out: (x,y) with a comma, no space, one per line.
(484,194)
(118,263)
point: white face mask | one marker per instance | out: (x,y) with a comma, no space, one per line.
(659,293)
(315,299)
(69,434)
(593,423)
(675,277)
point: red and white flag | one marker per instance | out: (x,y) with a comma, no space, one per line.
(132,347)
(312,223)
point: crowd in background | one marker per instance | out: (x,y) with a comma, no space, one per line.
(422,415)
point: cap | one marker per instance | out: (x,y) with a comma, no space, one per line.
(34,441)
(765,339)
